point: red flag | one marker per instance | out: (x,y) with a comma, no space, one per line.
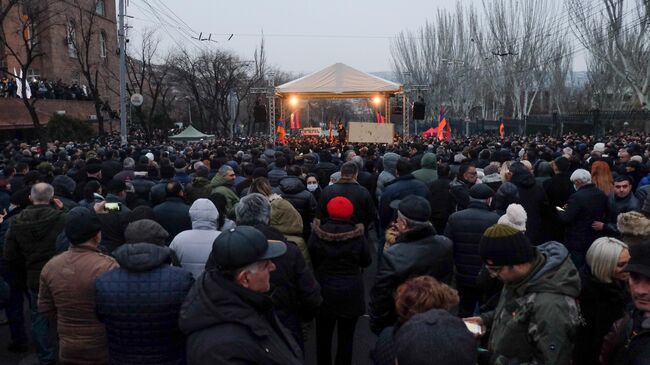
(331,136)
(383,119)
(291,122)
(442,124)
(378,117)
(502,129)
(298,119)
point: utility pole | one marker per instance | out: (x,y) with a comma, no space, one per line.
(122,36)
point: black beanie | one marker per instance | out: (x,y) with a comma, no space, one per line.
(504,245)
(81,225)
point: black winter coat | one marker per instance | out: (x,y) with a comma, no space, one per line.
(585,206)
(339,251)
(293,190)
(558,189)
(139,304)
(142,187)
(228,324)
(601,304)
(364,207)
(295,292)
(417,252)
(465,229)
(441,201)
(324,170)
(174,216)
(533,198)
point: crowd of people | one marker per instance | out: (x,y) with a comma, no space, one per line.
(46,89)
(524,250)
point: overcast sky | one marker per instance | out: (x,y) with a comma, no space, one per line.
(301,36)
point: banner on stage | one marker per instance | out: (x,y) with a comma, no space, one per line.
(311,131)
(370,132)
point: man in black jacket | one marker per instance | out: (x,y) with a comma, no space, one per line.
(292,188)
(227,316)
(459,187)
(347,186)
(173,214)
(621,200)
(417,251)
(587,205)
(465,229)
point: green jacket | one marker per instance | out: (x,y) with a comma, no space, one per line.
(429,170)
(286,219)
(222,186)
(536,318)
(31,240)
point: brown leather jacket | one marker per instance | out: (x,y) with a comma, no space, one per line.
(67,293)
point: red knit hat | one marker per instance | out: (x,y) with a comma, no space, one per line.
(340,208)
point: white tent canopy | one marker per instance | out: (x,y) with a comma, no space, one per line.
(338,81)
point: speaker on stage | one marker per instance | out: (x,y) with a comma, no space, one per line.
(419,108)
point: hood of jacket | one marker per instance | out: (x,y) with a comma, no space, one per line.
(557,274)
(284,216)
(36,221)
(633,223)
(336,231)
(291,185)
(218,180)
(145,230)
(141,256)
(204,215)
(213,300)
(390,162)
(200,182)
(429,161)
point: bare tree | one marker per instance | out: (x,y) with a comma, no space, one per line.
(25,21)
(87,40)
(618,36)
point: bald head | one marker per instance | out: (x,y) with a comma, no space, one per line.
(41,193)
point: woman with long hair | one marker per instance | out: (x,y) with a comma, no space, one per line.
(601,176)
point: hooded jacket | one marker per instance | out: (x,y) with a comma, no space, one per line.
(286,219)
(537,317)
(429,170)
(139,304)
(193,247)
(533,198)
(220,185)
(228,324)
(31,240)
(293,190)
(389,162)
(634,227)
(340,251)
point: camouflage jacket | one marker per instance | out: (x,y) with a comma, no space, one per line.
(536,318)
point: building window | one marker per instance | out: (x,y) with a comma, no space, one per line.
(70,39)
(102,45)
(33,74)
(100,8)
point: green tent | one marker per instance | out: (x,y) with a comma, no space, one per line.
(190,134)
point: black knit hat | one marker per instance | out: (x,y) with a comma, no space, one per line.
(81,225)
(505,245)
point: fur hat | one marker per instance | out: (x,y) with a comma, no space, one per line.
(515,217)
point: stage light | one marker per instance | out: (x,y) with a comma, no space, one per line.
(293,101)
(377,100)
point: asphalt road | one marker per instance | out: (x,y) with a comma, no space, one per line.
(364,340)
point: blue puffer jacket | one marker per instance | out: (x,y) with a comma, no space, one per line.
(140,303)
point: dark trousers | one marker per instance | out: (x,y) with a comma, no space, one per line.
(14,307)
(345,335)
(469,296)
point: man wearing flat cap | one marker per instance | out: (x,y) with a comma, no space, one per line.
(465,229)
(67,291)
(537,314)
(629,340)
(417,251)
(227,316)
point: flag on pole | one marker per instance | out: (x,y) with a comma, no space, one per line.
(383,119)
(281,131)
(331,135)
(298,119)
(442,123)
(378,117)
(291,122)
(502,129)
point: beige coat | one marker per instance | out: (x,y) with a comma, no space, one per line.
(67,293)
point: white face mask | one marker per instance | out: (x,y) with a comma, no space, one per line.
(312,187)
